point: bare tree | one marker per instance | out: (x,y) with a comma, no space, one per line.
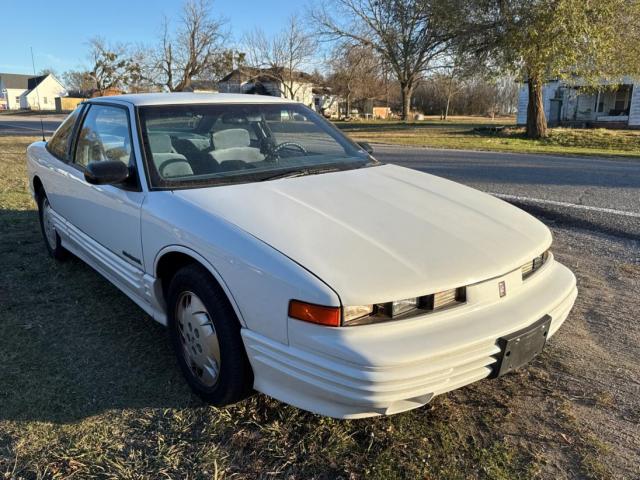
(474,95)
(139,78)
(356,73)
(48,71)
(191,50)
(283,56)
(78,82)
(460,66)
(408,34)
(109,64)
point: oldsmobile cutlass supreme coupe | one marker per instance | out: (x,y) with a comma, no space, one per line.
(284,258)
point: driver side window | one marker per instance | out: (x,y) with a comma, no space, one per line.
(105,135)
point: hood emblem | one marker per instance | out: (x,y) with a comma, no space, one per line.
(502,289)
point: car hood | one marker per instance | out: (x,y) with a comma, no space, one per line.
(381,233)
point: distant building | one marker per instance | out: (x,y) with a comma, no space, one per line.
(381,113)
(266,82)
(30,92)
(107,92)
(569,105)
(202,86)
(326,103)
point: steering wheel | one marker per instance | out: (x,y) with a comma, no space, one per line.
(282,145)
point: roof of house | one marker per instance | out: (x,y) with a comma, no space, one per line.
(186,98)
(33,82)
(262,74)
(15,80)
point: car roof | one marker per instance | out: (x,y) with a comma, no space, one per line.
(186,98)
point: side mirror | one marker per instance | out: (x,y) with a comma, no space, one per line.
(106,172)
(366,147)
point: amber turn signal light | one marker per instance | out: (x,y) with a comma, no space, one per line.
(308,312)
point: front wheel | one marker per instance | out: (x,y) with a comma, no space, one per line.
(205,334)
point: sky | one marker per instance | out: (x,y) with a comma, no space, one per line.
(58,30)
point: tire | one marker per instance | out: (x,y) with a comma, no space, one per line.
(49,234)
(202,324)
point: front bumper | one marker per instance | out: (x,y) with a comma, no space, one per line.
(388,368)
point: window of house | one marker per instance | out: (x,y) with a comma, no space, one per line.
(44,100)
(18,100)
(621,99)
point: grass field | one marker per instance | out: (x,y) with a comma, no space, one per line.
(470,133)
(89,389)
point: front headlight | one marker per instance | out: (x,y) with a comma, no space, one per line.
(350,314)
(400,307)
(406,308)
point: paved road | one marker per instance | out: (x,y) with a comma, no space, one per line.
(595,193)
(29,124)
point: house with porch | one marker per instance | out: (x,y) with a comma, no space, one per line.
(569,104)
(29,91)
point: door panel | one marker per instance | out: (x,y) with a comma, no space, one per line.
(108,214)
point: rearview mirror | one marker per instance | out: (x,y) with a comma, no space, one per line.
(106,172)
(366,147)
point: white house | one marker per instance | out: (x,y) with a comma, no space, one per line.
(30,92)
(12,86)
(566,104)
(265,82)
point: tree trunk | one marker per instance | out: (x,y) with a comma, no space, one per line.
(536,120)
(449,94)
(446,110)
(407,91)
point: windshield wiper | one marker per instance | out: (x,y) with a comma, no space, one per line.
(301,172)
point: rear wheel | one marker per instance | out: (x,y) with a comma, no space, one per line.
(205,334)
(49,233)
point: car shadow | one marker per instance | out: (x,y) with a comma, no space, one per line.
(71,344)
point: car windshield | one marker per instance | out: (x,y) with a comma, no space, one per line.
(203,145)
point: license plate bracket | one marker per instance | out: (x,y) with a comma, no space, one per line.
(519,348)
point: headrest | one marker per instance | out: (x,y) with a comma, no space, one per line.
(231,138)
(175,167)
(160,143)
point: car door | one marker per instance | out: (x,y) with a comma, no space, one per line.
(105,219)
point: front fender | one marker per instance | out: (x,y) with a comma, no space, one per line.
(259,280)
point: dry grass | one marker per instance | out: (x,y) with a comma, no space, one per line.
(471,133)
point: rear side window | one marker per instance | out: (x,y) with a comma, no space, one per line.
(58,145)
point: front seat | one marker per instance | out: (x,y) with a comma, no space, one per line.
(168,162)
(234,144)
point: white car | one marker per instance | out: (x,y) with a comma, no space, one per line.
(284,258)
